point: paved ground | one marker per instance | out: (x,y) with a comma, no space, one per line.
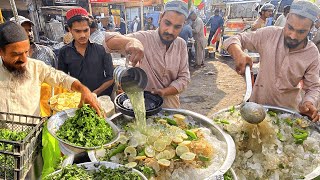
(213,87)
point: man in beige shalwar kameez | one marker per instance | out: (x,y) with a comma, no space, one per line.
(286,58)
(198,35)
(165,54)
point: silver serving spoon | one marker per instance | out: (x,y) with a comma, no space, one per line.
(251,112)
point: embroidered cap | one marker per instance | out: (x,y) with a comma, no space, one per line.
(306,9)
(177,5)
(76,12)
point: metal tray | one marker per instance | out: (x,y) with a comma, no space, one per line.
(58,119)
(315,173)
(203,121)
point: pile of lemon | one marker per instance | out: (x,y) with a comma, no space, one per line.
(65,101)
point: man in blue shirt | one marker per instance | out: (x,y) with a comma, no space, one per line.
(186,32)
(215,22)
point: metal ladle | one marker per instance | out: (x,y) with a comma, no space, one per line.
(251,112)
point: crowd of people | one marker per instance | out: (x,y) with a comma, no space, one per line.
(84,64)
(86,54)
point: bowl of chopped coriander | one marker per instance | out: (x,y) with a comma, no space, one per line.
(96,170)
(82,129)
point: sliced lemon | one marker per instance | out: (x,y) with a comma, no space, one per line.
(149,151)
(164,162)
(166,139)
(188,156)
(177,140)
(130,151)
(183,135)
(181,150)
(184,143)
(159,145)
(160,155)
(162,121)
(131,165)
(179,117)
(151,139)
(140,157)
(123,139)
(167,154)
(172,153)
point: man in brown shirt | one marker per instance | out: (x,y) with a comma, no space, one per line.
(165,54)
(286,58)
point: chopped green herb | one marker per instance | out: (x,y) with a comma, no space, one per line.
(203,158)
(86,129)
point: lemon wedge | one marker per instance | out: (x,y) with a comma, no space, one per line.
(164,162)
(159,145)
(179,117)
(188,156)
(149,151)
(181,150)
(177,140)
(131,165)
(184,143)
(130,151)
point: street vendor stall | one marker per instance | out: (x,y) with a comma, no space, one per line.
(239,15)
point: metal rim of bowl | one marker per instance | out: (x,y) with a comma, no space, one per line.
(130,112)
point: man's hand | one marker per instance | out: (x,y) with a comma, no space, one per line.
(307,108)
(160,92)
(241,61)
(90,98)
(135,48)
(86,96)
(241,58)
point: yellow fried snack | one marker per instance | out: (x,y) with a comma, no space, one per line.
(65,101)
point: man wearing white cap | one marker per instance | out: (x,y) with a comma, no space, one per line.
(165,54)
(37,51)
(265,12)
(198,35)
(286,58)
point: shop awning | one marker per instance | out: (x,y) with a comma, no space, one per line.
(56,9)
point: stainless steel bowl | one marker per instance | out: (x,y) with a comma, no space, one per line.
(199,119)
(58,119)
(315,173)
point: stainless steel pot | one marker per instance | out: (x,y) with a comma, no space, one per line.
(203,121)
(315,173)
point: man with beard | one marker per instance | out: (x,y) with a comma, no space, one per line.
(265,12)
(165,54)
(21,77)
(37,51)
(286,58)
